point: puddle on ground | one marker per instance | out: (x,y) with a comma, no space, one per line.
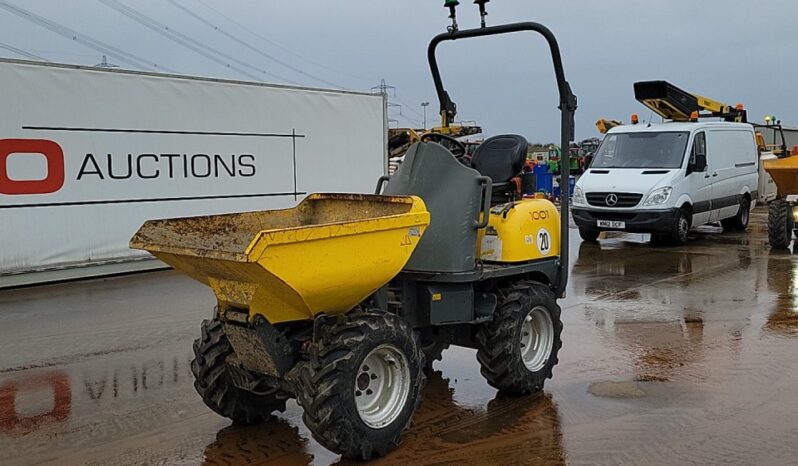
(106,379)
(616,389)
(651,378)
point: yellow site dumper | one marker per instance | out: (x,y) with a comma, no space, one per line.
(343,300)
(782,213)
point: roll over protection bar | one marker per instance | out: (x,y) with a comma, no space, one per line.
(567,106)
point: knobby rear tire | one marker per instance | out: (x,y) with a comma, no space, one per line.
(499,342)
(780,224)
(328,384)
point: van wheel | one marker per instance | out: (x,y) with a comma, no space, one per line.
(591,236)
(780,224)
(681,227)
(740,221)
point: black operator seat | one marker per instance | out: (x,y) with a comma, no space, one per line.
(501,158)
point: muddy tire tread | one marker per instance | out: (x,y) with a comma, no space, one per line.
(496,340)
(213,381)
(322,384)
(780,225)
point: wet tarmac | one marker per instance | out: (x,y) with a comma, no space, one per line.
(682,355)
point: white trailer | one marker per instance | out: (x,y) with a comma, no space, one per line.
(87,155)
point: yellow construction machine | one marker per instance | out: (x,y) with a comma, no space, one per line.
(783,169)
(604,124)
(672,103)
(400,139)
(341,301)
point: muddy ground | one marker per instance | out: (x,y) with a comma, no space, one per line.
(682,355)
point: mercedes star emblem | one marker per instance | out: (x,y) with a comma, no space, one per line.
(611,199)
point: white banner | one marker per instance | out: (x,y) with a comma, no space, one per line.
(86,155)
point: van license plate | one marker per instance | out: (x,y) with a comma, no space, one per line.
(611,224)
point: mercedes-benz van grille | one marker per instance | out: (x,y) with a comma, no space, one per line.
(614,199)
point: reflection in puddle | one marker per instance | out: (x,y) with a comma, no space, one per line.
(15,421)
(505,431)
(665,307)
(782,280)
(276,442)
(611,389)
(613,272)
(33,401)
(508,430)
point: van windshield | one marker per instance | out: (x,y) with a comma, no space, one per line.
(642,150)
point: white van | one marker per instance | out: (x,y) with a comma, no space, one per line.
(664,179)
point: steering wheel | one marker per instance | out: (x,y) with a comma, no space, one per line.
(457,148)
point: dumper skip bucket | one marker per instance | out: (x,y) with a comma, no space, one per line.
(325,255)
(784,173)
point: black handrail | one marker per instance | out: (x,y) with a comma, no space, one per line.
(567,107)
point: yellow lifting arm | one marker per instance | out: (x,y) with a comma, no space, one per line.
(672,103)
(605,125)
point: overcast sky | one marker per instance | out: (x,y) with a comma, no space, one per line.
(732,51)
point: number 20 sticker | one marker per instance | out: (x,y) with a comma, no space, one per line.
(544,241)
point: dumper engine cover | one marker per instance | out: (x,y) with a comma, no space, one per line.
(521,231)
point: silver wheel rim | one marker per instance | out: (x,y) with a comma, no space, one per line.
(744,216)
(382,386)
(537,339)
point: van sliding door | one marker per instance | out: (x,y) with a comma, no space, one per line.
(732,161)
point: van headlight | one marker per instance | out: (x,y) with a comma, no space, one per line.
(658,196)
(578,197)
